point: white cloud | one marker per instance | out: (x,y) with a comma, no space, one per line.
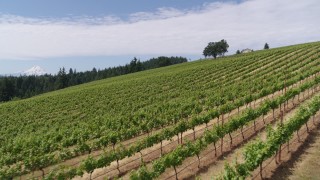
(162,13)
(70,20)
(168,31)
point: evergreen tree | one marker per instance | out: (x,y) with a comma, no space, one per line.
(6,89)
(133,65)
(62,79)
(266,46)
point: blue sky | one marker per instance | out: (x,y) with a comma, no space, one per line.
(62,8)
(102,33)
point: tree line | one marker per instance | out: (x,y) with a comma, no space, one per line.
(12,87)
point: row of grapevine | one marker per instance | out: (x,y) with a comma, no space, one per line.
(258,151)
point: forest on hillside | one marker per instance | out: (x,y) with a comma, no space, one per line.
(27,86)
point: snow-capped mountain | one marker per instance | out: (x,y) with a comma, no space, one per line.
(36,70)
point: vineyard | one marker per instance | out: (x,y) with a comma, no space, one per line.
(167,123)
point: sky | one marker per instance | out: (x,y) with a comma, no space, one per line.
(105,33)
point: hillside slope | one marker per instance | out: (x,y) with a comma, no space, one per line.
(93,115)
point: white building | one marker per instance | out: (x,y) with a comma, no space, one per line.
(246,50)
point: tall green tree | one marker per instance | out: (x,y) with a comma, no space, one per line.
(62,79)
(215,49)
(266,46)
(6,89)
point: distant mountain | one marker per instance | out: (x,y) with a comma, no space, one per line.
(36,70)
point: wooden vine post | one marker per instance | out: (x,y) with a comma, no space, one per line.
(222,122)
(161,149)
(261,168)
(281,122)
(285,92)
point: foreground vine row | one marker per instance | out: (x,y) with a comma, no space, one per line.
(258,151)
